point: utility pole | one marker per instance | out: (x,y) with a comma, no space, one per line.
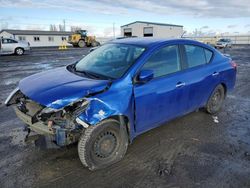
(114,30)
(64,26)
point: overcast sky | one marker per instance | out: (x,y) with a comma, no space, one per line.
(208,16)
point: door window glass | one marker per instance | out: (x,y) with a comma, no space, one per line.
(195,55)
(164,61)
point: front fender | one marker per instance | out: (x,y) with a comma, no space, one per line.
(97,111)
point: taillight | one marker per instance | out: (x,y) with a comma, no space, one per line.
(234,65)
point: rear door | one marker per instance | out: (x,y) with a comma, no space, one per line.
(200,75)
(165,96)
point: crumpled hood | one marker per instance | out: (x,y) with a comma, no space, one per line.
(57,88)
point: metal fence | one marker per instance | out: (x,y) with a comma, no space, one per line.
(236,39)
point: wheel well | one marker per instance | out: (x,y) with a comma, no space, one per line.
(19,47)
(125,120)
(225,88)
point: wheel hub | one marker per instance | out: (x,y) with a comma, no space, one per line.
(105,145)
(216,98)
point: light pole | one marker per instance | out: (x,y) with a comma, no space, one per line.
(235,37)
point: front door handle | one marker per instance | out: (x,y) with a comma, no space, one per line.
(180,84)
(215,74)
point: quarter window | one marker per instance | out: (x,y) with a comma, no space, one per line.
(195,55)
(164,61)
(208,55)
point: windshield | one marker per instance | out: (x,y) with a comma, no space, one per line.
(110,60)
(224,40)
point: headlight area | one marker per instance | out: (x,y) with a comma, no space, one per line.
(63,122)
(13,97)
(60,124)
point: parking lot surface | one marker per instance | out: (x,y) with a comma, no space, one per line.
(197,150)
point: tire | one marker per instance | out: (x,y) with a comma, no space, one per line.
(216,100)
(103,144)
(94,44)
(19,51)
(81,43)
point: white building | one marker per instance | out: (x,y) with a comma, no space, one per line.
(151,29)
(37,38)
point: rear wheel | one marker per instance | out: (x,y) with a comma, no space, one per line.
(95,43)
(81,43)
(19,51)
(103,144)
(216,100)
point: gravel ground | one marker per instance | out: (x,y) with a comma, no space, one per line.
(191,151)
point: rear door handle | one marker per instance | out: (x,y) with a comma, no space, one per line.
(215,74)
(180,84)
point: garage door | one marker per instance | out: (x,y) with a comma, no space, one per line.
(148,31)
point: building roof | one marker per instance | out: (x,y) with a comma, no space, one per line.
(153,23)
(35,32)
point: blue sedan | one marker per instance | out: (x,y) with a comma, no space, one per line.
(121,90)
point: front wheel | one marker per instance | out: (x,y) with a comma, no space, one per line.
(216,100)
(81,43)
(103,144)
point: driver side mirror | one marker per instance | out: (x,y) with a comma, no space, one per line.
(145,76)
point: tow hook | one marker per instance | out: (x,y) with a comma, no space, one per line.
(29,138)
(28,133)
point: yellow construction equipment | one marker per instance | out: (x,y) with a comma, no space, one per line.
(63,46)
(81,39)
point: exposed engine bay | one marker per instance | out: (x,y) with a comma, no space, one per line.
(61,125)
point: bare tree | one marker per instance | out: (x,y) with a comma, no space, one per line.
(74,28)
(53,27)
(61,27)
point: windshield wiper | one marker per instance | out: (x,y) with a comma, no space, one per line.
(88,74)
(93,75)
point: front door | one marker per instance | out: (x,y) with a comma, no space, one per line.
(165,96)
(8,45)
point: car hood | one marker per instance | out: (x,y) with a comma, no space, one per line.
(57,88)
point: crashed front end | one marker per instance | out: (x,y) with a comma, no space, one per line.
(62,125)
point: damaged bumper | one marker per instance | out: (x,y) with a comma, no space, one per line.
(62,125)
(38,127)
(60,136)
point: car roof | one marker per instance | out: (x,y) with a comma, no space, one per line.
(150,42)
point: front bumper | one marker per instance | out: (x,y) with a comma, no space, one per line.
(60,136)
(220,45)
(38,127)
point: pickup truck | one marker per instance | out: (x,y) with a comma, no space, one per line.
(12,46)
